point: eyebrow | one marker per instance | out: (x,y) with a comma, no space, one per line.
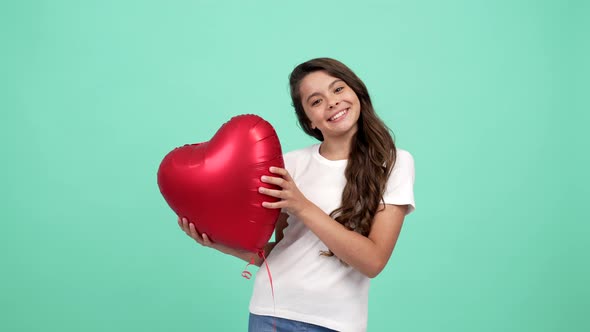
(329,87)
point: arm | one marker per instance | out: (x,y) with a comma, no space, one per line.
(190,230)
(368,255)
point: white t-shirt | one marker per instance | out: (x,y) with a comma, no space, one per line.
(312,288)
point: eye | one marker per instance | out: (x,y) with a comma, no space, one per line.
(315,102)
(338,89)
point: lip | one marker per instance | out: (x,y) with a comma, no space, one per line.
(347,109)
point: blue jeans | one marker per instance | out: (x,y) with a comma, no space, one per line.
(259,323)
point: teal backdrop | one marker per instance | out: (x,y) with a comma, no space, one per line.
(490,97)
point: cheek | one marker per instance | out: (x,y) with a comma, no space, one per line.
(357,102)
(353,97)
(309,114)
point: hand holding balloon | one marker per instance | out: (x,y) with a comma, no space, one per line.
(190,230)
(291,199)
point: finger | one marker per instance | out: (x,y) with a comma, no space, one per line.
(271,192)
(181,224)
(184,225)
(273,205)
(282,172)
(192,231)
(206,240)
(273,180)
(194,234)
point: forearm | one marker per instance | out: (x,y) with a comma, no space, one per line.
(356,250)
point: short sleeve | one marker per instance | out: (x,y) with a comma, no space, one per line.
(400,186)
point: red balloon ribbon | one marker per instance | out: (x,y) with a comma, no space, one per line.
(246,274)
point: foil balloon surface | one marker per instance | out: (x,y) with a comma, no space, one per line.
(215,184)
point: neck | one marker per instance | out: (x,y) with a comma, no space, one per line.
(336,148)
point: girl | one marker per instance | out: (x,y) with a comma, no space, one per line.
(343,203)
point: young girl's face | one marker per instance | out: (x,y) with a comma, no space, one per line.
(330,104)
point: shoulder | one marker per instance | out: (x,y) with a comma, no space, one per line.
(403,158)
(308,150)
(293,156)
(403,167)
(298,157)
(400,185)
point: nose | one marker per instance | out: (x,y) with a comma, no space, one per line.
(333,103)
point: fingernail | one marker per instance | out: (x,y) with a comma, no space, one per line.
(260,189)
(264,178)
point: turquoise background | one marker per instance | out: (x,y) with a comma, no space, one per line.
(490,97)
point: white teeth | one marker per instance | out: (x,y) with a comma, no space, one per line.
(338,115)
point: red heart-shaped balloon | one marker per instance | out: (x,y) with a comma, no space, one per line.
(215,184)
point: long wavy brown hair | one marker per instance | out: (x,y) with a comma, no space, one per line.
(372,151)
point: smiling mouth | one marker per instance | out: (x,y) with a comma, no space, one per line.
(338,115)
